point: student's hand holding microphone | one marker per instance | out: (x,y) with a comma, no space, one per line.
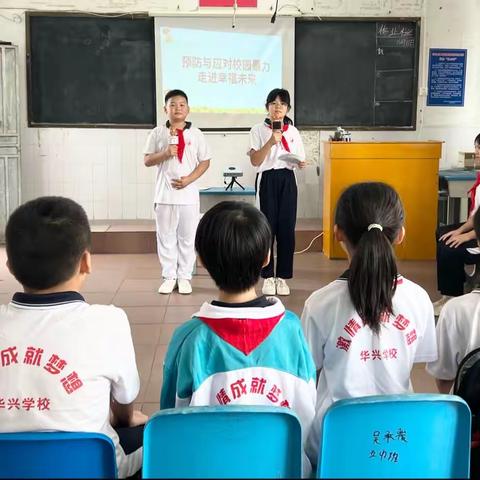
(277,133)
(172,151)
(173,143)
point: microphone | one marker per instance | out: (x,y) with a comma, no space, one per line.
(173,139)
(277,125)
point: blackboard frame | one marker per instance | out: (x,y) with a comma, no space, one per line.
(31,123)
(417,21)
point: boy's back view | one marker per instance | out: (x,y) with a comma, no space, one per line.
(239,349)
(64,364)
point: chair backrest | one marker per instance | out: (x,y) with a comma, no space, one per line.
(56,455)
(396,436)
(223,442)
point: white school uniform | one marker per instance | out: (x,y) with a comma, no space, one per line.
(177,211)
(458,333)
(60,360)
(355,362)
(259,136)
(476,202)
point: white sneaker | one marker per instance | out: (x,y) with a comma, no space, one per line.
(439,304)
(167,286)
(269,286)
(184,287)
(282,287)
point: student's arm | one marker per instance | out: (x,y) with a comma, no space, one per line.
(257,157)
(461,235)
(199,170)
(451,348)
(444,386)
(125,415)
(125,381)
(313,335)
(151,159)
(177,367)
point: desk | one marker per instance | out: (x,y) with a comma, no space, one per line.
(457,182)
(213,195)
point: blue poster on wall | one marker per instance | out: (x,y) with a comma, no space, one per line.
(446,77)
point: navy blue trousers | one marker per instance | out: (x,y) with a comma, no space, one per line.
(278,201)
(451,263)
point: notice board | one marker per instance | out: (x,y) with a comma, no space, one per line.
(446,77)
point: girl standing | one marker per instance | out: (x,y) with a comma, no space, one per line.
(276,186)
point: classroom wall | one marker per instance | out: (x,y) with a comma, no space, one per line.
(103,168)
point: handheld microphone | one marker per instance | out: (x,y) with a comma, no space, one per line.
(173,140)
(276,125)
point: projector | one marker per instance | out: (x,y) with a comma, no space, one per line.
(232,172)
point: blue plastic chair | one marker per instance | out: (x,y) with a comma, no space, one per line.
(396,436)
(57,455)
(223,442)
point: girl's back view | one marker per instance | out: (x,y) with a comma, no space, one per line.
(368,327)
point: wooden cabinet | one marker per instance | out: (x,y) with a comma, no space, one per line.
(410,167)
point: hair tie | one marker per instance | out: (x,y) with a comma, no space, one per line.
(375,225)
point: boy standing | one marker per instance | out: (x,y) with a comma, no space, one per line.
(65,365)
(239,349)
(181,155)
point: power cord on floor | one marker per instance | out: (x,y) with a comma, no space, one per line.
(309,245)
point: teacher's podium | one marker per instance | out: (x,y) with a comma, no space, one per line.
(411,168)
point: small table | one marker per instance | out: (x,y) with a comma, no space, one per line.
(457,182)
(213,195)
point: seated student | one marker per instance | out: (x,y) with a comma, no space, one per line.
(458,332)
(453,242)
(240,348)
(367,328)
(65,365)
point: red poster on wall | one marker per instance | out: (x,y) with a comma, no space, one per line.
(227,3)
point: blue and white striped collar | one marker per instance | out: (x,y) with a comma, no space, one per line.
(46,299)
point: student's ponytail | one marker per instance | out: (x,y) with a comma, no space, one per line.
(370,215)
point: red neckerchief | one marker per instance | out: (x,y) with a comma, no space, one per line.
(472,193)
(284,140)
(181,144)
(244,334)
(181,138)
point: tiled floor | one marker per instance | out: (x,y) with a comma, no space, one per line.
(131,282)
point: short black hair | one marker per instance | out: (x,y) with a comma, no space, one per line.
(281,93)
(45,239)
(175,93)
(477,140)
(233,240)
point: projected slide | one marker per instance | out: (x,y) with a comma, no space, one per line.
(222,72)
